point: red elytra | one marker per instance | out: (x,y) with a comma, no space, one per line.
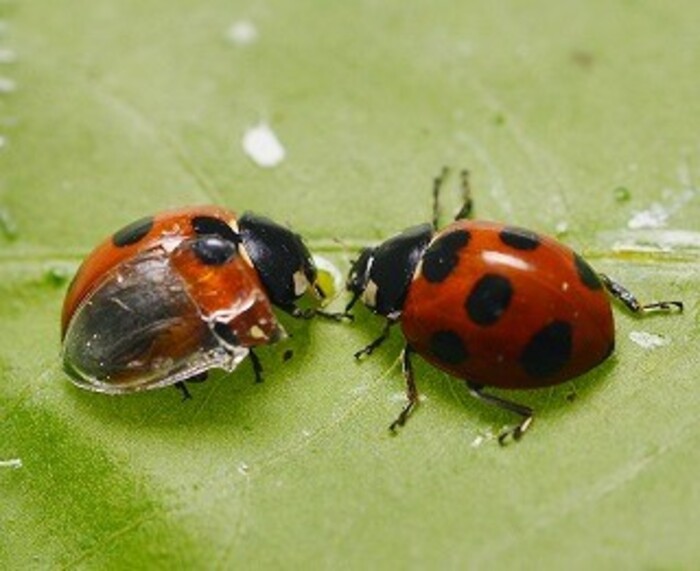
(164,230)
(482,320)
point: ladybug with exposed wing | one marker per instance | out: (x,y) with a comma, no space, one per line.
(171,296)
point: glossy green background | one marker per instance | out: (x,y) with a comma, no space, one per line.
(121,108)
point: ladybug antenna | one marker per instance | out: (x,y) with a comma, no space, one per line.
(467,202)
(355,296)
(438,183)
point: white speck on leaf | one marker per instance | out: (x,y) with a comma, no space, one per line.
(242,33)
(11,463)
(481,438)
(7,56)
(359,390)
(262,145)
(8,225)
(655,216)
(648,340)
(7,85)
(243,468)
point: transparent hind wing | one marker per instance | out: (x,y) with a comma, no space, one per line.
(140,329)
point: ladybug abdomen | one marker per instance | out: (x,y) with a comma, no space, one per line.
(505,307)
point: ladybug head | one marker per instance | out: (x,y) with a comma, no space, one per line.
(381,275)
(280,257)
(358,277)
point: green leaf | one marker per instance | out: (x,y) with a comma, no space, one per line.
(576,119)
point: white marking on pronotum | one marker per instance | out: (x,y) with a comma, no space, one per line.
(301,284)
(256,332)
(369,295)
(648,340)
(262,145)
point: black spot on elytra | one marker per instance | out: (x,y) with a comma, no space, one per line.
(548,350)
(223,332)
(213,251)
(448,347)
(442,256)
(587,274)
(489,299)
(211,226)
(133,232)
(519,238)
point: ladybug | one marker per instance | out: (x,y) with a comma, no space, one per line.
(170,296)
(492,304)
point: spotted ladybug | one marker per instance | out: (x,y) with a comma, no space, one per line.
(173,295)
(493,304)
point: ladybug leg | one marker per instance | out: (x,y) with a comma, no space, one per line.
(525,412)
(383,336)
(182,385)
(257,366)
(411,389)
(621,293)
